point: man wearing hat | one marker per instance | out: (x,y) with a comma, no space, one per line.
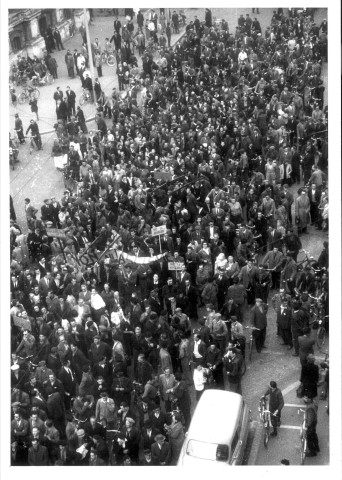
(105,410)
(233,362)
(258,318)
(47,213)
(160,451)
(276,404)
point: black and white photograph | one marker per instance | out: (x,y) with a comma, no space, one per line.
(166,235)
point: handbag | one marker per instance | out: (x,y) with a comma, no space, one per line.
(300,391)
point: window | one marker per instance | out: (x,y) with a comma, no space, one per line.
(207,451)
(235,441)
(16,44)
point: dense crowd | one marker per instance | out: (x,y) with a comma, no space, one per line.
(205,146)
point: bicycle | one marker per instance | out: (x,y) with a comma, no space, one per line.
(28,94)
(34,142)
(265,417)
(303,437)
(321,332)
(108,57)
(86,97)
(251,341)
(46,80)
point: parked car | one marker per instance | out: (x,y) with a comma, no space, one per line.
(218,431)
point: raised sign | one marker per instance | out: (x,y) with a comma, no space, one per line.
(159,230)
(174,265)
(55,232)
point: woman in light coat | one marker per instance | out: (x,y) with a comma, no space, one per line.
(302,209)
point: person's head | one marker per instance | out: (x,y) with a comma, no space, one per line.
(167,372)
(273,385)
(310,358)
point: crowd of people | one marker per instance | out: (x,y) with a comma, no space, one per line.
(108,336)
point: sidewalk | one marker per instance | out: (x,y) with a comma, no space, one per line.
(102,28)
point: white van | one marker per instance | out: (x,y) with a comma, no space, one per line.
(218,431)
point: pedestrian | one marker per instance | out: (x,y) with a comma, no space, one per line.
(33,127)
(58,95)
(275,405)
(69,60)
(305,345)
(302,209)
(258,318)
(81,120)
(34,107)
(168,34)
(98,62)
(71,101)
(58,39)
(311,424)
(309,377)
(62,110)
(18,127)
(38,455)
(233,362)
(200,377)
(52,66)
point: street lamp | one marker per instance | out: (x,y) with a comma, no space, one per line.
(90,56)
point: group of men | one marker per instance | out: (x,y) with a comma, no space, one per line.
(104,301)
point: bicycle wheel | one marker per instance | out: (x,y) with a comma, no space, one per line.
(320,337)
(35,94)
(303,450)
(266,434)
(82,100)
(243,367)
(22,98)
(250,350)
(111,60)
(49,79)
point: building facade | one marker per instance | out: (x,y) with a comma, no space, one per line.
(26,28)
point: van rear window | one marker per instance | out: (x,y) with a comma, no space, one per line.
(207,451)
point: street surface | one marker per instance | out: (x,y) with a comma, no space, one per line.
(35,177)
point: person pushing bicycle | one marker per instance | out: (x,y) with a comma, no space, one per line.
(276,404)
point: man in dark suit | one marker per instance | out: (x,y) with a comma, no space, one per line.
(222,282)
(211,230)
(66,376)
(148,433)
(183,276)
(71,100)
(259,320)
(273,259)
(98,350)
(190,298)
(284,324)
(274,239)
(158,419)
(47,212)
(161,451)
(38,455)
(314,195)
(58,95)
